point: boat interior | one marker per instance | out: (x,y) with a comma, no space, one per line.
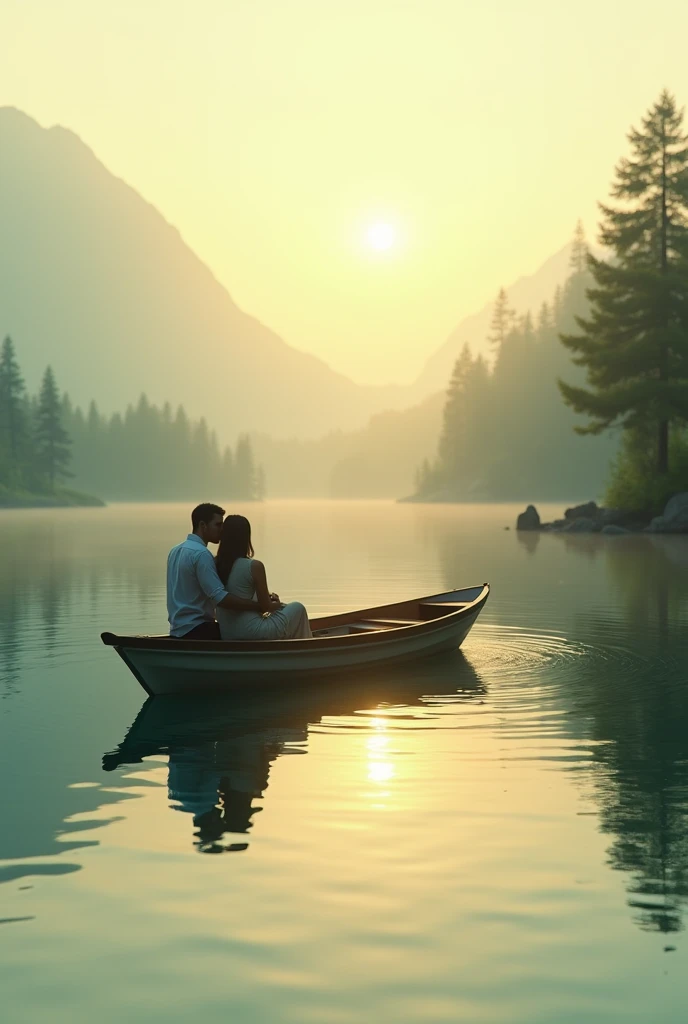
(407,613)
(374,620)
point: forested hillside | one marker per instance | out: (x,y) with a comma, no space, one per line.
(152,454)
(506,433)
(51,453)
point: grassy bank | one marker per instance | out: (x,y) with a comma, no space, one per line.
(59,498)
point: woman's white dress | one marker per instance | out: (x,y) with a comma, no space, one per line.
(289,623)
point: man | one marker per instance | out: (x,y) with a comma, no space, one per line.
(194,589)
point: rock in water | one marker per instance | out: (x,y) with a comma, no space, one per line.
(581,524)
(674,518)
(612,530)
(587,511)
(528,520)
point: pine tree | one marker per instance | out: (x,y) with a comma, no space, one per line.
(579,250)
(502,320)
(423,479)
(13,419)
(244,470)
(545,321)
(634,344)
(259,492)
(525,326)
(52,442)
(453,437)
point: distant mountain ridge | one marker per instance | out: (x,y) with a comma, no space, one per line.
(94,280)
(527,293)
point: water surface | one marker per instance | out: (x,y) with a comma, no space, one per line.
(496,836)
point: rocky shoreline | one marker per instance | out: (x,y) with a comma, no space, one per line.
(591,518)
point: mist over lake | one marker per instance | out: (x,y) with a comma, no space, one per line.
(495,835)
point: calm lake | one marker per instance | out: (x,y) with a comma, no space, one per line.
(497,836)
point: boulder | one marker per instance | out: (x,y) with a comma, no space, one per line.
(674,519)
(587,511)
(582,524)
(528,520)
(618,517)
(612,530)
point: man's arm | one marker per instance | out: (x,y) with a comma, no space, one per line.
(210,584)
(237,604)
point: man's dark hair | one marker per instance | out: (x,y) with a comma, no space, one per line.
(204,513)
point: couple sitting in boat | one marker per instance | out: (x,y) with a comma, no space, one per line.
(232,586)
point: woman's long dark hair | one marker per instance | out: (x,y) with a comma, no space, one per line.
(234,543)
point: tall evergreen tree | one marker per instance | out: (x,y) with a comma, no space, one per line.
(503,317)
(634,344)
(545,321)
(52,442)
(227,467)
(244,470)
(450,449)
(259,489)
(579,250)
(13,418)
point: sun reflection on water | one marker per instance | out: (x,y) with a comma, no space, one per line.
(380,768)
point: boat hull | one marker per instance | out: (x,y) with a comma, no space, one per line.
(175,667)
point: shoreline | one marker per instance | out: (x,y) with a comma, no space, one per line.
(59,499)
(591,518)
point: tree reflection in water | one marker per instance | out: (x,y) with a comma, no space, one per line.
(629,696)
(640,716)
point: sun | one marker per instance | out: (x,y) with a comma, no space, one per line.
(381,236)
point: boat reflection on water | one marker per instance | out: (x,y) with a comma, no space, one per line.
(221,748)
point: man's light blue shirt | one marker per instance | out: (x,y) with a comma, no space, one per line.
(193,586)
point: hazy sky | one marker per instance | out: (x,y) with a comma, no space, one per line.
(274,133)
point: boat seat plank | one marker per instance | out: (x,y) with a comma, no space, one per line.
(331,631)
(392,622)
(436,609)
(369,625)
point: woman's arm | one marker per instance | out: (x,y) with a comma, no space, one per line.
(263,595)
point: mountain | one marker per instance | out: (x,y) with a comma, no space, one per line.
(527,293)
(378,461)
(95,281)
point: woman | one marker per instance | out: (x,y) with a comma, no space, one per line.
(244,576)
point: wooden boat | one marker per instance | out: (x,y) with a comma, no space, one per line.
(388,633)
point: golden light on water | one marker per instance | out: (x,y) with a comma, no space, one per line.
(380,768)
(380,771)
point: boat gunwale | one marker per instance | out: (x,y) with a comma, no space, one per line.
(169,644)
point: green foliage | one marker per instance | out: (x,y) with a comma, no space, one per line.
(13,415)
(61,497)
(145,454)
(503,318)
(579,250)
(152,454)
(633,344)
(635,483)
(468,388)
(245,476)
(52,443)
(506,433)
